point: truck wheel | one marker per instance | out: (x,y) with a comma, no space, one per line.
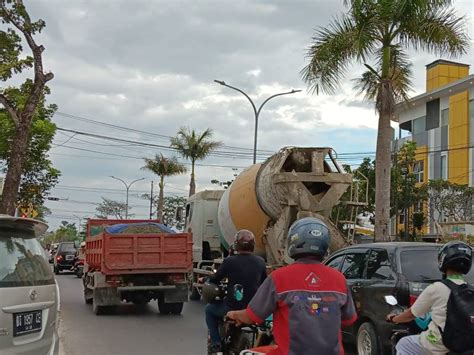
(170,308)
(367,342)
(87,296)
(99,309)
(195,295)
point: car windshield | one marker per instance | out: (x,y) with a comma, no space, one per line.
(22,260)
(421,265)
(67,247)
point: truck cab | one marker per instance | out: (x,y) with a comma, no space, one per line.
(201,220)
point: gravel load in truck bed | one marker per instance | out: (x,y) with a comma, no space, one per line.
(138,228)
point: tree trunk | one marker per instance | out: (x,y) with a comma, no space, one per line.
(15,168)
(383,163)
(192,184)
(161,198)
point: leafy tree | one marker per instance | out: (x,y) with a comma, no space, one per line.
(173,211)
(450,200)
(110,208)
(194,146)
(12,61)
(38,173)
(163,167)
(381,31)
(67,232)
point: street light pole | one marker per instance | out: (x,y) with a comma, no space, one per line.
(127,188)
(255,110)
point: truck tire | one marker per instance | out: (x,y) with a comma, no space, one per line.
(170,308)
(367,340)
(88,296)
(98,310)
(195,295)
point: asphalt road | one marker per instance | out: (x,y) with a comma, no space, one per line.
(130,330)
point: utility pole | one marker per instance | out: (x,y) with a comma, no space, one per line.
(255,110)
(151,201)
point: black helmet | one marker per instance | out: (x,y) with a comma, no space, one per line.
(455,255)
(308,236)
(244,241)
(212,293)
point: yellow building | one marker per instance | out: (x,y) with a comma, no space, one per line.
(441,122)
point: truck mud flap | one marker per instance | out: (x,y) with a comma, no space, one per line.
(178,294)
(106,296)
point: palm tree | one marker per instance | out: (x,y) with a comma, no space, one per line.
(163,167)
(381,31)
(194,146)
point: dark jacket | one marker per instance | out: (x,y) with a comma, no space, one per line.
(247,270)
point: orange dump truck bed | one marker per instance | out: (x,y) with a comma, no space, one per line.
(136,253)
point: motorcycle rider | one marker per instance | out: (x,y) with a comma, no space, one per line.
(243,269)
(454,260)
(309,301)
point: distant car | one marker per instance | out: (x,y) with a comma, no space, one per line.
(375,270)
(29,296)
(65,257)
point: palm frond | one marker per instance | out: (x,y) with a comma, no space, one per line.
(163,166)
(400,74)
(437,30)
(193,145)
(332,51)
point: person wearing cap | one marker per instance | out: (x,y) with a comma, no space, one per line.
(309,301)
(244,269)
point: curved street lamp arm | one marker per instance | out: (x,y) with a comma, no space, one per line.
(271,97)
(134,181)
(242,92)
(119,179)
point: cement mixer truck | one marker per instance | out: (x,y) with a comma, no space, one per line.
(266,199)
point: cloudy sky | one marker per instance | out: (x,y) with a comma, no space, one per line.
(149,66)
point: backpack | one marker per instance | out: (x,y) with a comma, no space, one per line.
(458,333)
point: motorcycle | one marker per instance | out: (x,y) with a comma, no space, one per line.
(78,268)
(236,339)
(416,327)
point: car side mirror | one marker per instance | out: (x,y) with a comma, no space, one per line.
(391,300)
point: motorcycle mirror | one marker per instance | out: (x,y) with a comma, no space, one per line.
(391,300)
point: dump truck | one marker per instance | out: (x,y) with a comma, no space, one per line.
(267,198)
(136,261)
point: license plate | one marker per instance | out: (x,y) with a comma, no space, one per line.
(27,323)
(69,257)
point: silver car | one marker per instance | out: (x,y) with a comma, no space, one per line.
(29,296)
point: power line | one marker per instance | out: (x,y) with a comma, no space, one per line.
(97,122)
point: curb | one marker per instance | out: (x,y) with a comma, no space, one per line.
(61,338)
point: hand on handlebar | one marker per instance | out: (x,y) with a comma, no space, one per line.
(233,315)
(390,317)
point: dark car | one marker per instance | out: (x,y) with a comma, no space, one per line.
(64,257)
(401,269)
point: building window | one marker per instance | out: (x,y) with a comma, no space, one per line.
(444,167)
(401,218)
(419,206)
(445,117)
(418,171)
(419,125)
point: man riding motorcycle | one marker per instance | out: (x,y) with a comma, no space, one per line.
(309,300)
(455,260)
(243,269)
